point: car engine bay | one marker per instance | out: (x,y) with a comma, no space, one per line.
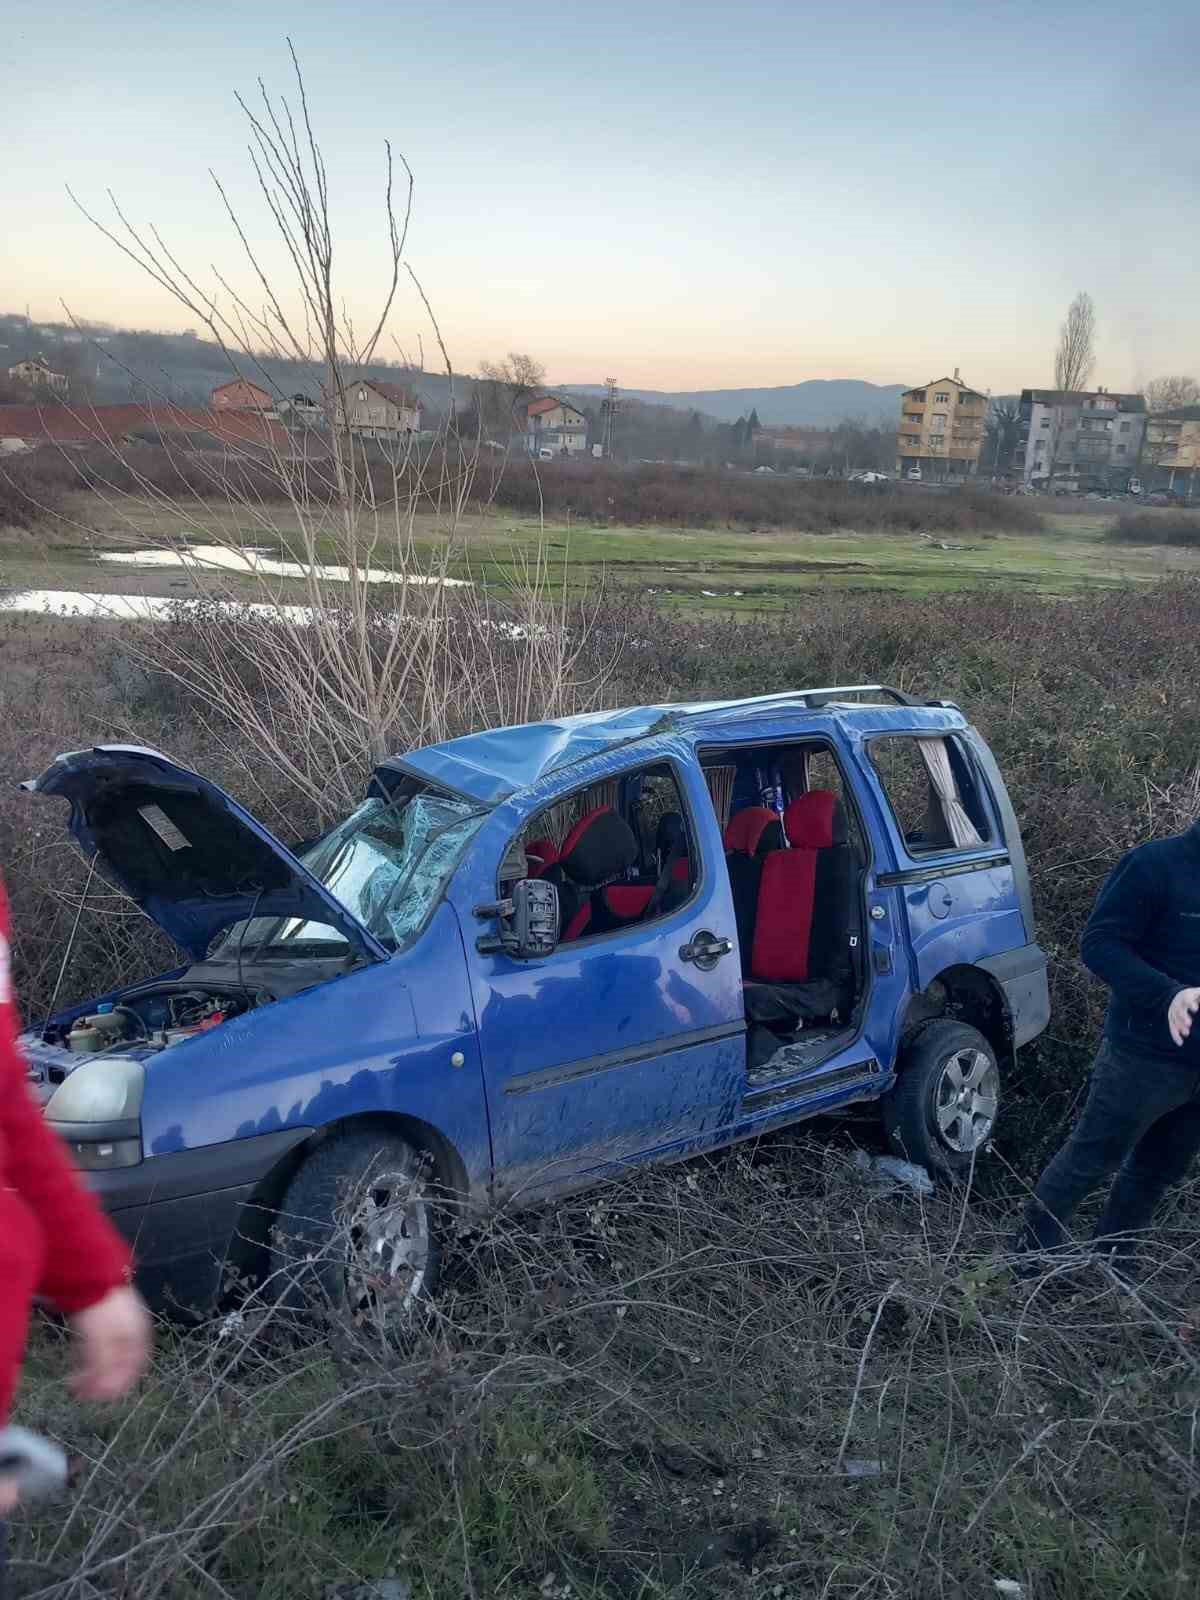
(158,1014)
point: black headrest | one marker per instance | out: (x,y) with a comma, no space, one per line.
(598,848)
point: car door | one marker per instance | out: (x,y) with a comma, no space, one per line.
(820,1069)
(626,1045)
(958,900)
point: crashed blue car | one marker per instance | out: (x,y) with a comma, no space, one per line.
(530,959)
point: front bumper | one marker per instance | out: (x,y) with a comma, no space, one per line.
(181,1212)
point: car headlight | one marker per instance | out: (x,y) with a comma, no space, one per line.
(97,1110)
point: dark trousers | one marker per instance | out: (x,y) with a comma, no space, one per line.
(1141,1122)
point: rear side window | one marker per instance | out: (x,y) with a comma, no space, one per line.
(933,790)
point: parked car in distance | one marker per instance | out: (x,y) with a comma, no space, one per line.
(913,474)
(529,960)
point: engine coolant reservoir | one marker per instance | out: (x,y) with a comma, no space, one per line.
(96,1032)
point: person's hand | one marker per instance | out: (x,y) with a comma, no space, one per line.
(8,1495)
(1180,1013)
(113,1346)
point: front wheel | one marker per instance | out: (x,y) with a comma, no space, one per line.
(356,1231)
(943,1109)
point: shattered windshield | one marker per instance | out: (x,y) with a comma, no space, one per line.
(387,864)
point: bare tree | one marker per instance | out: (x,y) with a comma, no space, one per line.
(1076,353)
(365,631)
(503,385)
(1073,363)
(1003,430)
(1167,394)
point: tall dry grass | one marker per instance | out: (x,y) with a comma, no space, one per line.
(748,1377)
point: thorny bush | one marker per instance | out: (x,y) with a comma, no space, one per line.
(1092,707)
(187,467)
(1157,527)
(755,1376)
(747,1377)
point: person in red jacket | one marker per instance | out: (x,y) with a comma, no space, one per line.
(55,1243)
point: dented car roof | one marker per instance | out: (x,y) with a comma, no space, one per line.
(489,767)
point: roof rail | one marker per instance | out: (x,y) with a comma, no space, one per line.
(811,699)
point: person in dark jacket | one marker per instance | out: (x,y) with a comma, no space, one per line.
(1141,1121)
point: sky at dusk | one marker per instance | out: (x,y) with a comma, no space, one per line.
(683,195)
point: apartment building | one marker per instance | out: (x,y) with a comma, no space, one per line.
(1080,439)
(941,430)
(1171,451)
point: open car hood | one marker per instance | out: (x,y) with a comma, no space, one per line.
(186,852)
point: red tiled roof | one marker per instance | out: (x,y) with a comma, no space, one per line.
(260,394)
(547,403)
(108,425)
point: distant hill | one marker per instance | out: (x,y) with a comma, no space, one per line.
(122,364)
(819,402)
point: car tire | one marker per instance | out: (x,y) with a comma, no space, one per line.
(943,1109)
(356,1231)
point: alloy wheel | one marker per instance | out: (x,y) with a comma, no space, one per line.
(966,1099)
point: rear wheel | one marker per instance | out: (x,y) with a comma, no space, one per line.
(943,1110)
(356,1231)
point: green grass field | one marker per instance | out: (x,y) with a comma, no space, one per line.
(711,570)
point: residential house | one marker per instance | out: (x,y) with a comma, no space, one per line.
(241,395)
(36,374)
(555,425)
(377,410)
(302,410)
(1171,451)
(1080,439)
(941,430)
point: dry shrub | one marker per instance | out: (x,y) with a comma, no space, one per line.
(699,497)
(191,469)
(752,1376)
(31,493)
(1090,705)
(661,1389)
(1157,527)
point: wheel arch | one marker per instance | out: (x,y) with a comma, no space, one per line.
(248,1248)
(964,993)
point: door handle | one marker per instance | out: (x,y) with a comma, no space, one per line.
(706,949)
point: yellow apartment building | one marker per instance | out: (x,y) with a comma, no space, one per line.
(940,436)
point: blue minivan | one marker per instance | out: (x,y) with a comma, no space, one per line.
(531,958)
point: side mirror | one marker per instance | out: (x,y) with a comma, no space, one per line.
(528,922)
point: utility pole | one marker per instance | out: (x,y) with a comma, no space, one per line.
(609,407)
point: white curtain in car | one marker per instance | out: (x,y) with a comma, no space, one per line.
(720,786)
(963,832)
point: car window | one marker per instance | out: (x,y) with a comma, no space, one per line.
(620,853)
(931,787)
(822,771)
(387,863)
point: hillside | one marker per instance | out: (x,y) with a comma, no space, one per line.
(819,402)
(119,364)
